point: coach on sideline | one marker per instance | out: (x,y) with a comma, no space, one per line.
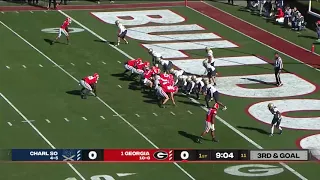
(278,66)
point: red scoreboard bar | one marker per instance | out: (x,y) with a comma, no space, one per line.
(163,155)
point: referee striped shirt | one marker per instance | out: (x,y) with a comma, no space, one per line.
(278,63)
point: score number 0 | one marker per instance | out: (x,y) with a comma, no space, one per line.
(184,155)
(92,155)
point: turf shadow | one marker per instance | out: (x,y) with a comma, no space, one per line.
(259,81)
(122,77)
(101,41)
(151,101)
(261,131)
(49,41)
(189,136)
(74,92)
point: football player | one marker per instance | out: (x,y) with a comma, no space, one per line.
(122,33)
(211,71)
(63,29)
(89,85)
(155,56)
(212,93)
(209,123)
(162,96)
(210,57)
(276,118)
(131,64)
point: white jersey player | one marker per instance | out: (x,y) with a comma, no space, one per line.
(276,118)
(210,57)
(177,74)
(211,71)
(122,32)
(156,57)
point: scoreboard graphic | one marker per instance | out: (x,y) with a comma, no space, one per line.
(154,155)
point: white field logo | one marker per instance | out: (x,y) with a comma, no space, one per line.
(253,170)
(56,30)
(173,39)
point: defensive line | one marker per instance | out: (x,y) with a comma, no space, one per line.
(103,102)
(38,132)
(195,101)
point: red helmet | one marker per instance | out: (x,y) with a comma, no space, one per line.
(216,106)
(96,75)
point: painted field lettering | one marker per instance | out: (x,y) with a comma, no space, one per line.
(311,142)
(260,112)
(293,86)
(256,170)
(142,17)
(195,66)
(104,176)
(173,50)
(174,37)
(144,33)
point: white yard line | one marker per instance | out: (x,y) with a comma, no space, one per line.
(195,101)
(66,119)
(9,123)
(88,63)
(102,117)
(172,113)
(72,64)
(155,114)
(48,121)
(8,67)
(40,65)
(189,112)
(84,118)
(39,133)
(253,38)
(104,62)
(103,102)
(24,66)
(119,86)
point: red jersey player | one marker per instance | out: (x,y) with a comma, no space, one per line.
(64,29)
(88,85)
(210,120)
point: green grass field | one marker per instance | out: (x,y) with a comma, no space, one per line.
(39,85)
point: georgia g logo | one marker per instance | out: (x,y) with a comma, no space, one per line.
(160,155)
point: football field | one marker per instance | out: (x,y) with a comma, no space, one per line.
(41,106)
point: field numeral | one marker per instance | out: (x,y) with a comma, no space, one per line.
(96,177)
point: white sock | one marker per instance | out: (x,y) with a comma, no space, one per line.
(272,129)
(280,128)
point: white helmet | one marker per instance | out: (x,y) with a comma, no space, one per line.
(117,22)
(150,50)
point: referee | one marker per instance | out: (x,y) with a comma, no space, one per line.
(278,66)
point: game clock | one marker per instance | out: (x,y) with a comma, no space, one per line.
(225,155)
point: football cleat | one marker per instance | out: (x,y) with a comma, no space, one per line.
(270,135)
